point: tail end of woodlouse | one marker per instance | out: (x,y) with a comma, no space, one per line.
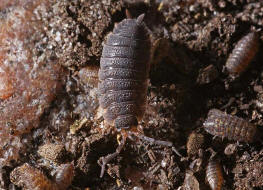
(140,18)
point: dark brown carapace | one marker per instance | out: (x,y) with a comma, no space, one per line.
(214,175)
(242,54)
(223,125)
(123,73)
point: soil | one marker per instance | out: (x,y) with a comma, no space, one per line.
(192,41)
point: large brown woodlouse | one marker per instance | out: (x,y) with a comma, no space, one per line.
(223,125)
(123,75)
(214,175)
(243,53)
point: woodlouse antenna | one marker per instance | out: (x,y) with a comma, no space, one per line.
(140,18)
(105,160)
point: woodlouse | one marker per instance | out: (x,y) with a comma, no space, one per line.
(123,75)
(234,128)
(214,175)
(243,53)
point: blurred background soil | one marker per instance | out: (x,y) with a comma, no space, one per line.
(49,112)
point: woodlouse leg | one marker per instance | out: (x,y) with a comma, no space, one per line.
(157,142)
(212,152)
(214,137)
(128,14)
(105,160)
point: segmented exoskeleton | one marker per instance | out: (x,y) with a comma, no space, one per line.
(243,53)
(123,73)
(214,175)
(234,128)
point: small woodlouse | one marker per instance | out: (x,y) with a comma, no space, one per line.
(123,75)
(243,53)
(214,175)
(234,128)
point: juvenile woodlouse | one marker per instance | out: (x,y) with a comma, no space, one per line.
(234,128)
(123,75)
(214,175)
(242,54)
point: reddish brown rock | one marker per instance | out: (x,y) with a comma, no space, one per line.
(29,73)
(29,177)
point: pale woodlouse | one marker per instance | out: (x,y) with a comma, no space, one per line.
(223,125)
(214,175)
(243,53)
(123,75)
